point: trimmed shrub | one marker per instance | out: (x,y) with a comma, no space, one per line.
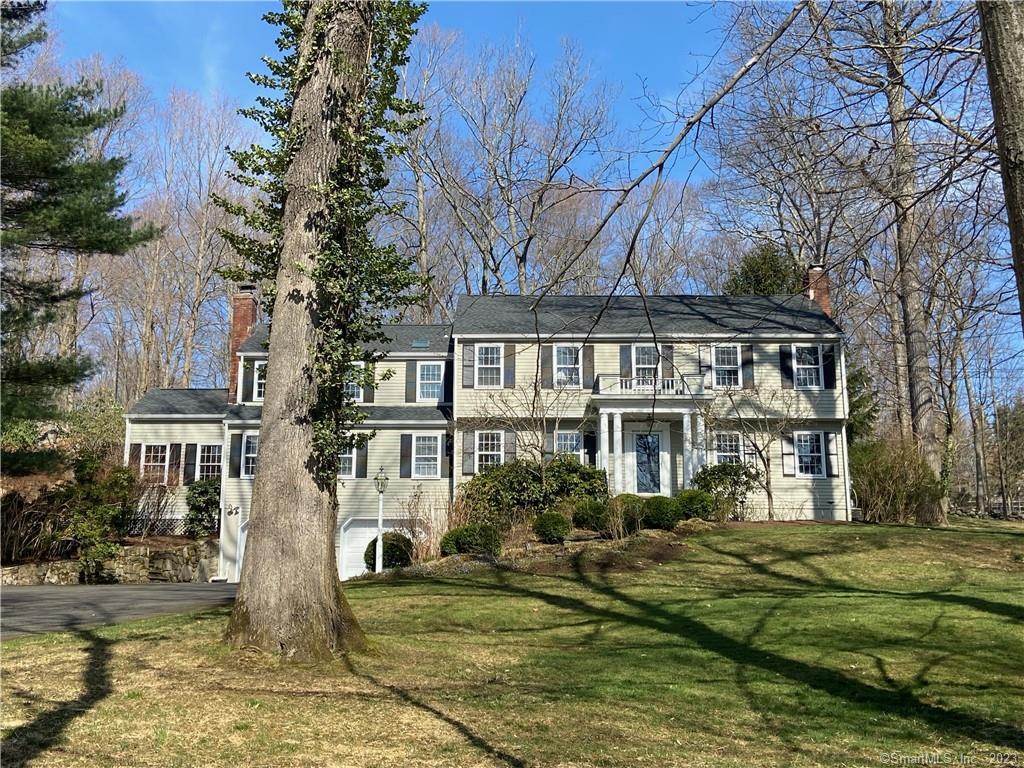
(730,484)
(551,527)
(661,512)
(397,551)
(203,516)
(694,502)
(566,478)
(590,514)
(472,539)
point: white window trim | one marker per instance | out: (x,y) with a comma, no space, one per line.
(821,368)
(824,453)
(199,456)
(555,366)
(440,453)
(350,452)
(476,447)
(739,367)
(739,438)
(419,379)
(501,365)
(580,454)
(358,398)
(167,460)
(657,366)
(257,366)
(245,441)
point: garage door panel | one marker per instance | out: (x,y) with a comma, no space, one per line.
(354,535)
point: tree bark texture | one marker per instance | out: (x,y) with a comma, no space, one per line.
(290,599)
(1002,38)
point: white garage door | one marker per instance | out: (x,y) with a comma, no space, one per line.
(353,538)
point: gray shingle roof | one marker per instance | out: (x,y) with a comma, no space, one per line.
(181,402)
(405,337)
(627,315)
(374,413)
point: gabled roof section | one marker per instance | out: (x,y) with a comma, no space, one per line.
(629,315)
(405,337)
(181,402)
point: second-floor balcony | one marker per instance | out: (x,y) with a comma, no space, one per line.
(691,385)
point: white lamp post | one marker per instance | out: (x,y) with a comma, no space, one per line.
(381,481)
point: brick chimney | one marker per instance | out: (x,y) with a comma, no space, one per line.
(816,288)
(243,320)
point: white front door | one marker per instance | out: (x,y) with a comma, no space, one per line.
(648,462)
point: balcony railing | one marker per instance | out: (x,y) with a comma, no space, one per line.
(680,386)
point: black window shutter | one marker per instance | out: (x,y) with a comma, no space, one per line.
(248,381)
(828,364)
(786,365)
(174,464)
(410,381)
(590,448)
(190,463)
(549,444)
(788,457)
(510,366)
(625,361)
(831,455)
(447,379)
(361,452)
(468,444)
(135,456)
(704,367)
(405,458)
(668,361)
(510,445)
(747,362)
(369,390)
(446,455)
(468,363)
(588,366)
(235,465)
(547,377)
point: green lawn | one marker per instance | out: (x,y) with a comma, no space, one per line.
(759,645)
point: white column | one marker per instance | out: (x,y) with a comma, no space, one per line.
(602,429)
(619,458)
(700,457)
(687,451)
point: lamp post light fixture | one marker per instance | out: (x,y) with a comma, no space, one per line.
(381,481)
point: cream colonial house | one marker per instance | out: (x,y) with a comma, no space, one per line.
(648,389)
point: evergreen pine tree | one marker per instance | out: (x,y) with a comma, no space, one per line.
(765,270)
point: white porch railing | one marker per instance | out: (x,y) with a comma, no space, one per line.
(680,386)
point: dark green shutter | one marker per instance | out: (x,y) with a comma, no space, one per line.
(235,465)
(828,365)
(547,377)
(468,365)
(190,463)
(410,381)
(588,366)
(361,452)
(510,366)
(405,458)
(786,365)
(747,365)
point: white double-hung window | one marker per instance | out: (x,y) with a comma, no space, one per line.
(807,373)
(810,454)
(490,449)
(426,456)
(250,447)
(727,365)
(259,380)
(489,365)
(727,448)
(568,366)
(347,463)
(645,363)
(208,464)
(429,381)
(154,463)
(353,388)
(569,443)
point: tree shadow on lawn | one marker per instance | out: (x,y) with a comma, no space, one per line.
(27,741)
(630,610)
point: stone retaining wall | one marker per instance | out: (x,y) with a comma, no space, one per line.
(196,562)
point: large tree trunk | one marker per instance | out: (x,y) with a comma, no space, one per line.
(1002,35)
(908,275)
(290,599)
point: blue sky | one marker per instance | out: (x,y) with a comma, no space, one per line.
(208,46)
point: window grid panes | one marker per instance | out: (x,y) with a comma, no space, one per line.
(426,458)
(259,380)
(810,459)
(727,448)
(569,442)
(727,366)
(807,366)
(646,363)
(250,447)
(489,449)
(488,365)
(208,466)
(430,381)
(154,463)
(347,463)
(567,366)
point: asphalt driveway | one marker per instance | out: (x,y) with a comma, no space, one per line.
(35,610)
